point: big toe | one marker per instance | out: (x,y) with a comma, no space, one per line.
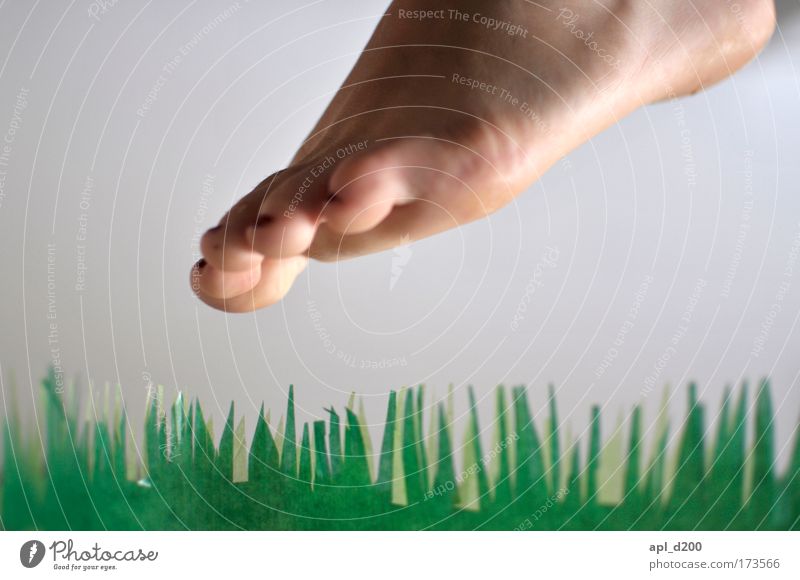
(365,187)
(240,293)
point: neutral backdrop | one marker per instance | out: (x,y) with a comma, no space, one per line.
(664,250)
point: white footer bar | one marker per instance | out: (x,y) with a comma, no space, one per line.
(390,555)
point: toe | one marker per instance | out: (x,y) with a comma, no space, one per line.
(275,279)
(364,189)
(226,248)
(283,222)
(468,179)
(277,219)
(281,233)
(411,188)
(216,283)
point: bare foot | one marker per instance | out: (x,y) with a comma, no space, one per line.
(452,110)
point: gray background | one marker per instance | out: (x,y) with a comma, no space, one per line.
(690,206)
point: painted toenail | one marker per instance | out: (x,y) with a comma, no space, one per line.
(202,263)
(264,220)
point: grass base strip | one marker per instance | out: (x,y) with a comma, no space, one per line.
(82,474)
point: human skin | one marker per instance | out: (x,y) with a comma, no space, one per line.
(447,116)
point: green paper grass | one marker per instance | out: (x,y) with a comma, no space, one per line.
(81,475)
